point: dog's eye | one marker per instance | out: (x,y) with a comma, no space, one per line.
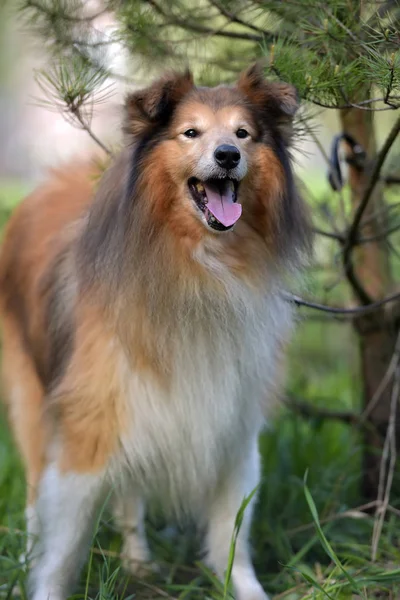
(191,133)
(242,133)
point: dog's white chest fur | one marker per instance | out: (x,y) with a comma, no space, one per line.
(183,437)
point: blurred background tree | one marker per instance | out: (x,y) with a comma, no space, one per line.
(343,57)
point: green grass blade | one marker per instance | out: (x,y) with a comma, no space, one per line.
(324,542)
(236,529)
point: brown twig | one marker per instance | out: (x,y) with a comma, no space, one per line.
(84,125)
(379,236)
(388,463)
(391,180)
(353,513)
(290,591)
(359,105)
(339,311)
(329,234)
(393,364)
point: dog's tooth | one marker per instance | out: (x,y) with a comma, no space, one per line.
(200,187)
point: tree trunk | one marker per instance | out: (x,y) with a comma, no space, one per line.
(376,333)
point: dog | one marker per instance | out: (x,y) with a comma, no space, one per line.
(144,326)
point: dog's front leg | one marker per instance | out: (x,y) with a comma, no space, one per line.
(66,505)
(129,514)
(238,483)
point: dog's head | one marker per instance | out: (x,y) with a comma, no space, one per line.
(218,156)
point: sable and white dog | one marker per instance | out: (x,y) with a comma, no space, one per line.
(143,325)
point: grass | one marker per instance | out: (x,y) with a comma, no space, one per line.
(310,540)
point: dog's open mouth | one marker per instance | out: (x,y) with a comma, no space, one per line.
(217,200)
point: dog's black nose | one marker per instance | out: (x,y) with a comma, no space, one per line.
(227,156)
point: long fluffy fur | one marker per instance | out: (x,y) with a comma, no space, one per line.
(142,346)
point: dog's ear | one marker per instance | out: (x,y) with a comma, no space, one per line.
(154,105)
(276,101)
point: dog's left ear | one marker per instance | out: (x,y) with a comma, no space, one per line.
(276,101)
(154,105)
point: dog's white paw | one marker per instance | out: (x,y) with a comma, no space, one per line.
(140,569)
(136,558)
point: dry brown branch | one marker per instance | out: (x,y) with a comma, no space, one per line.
(341,312)
(360,105)
(354,513)
(393,510)
(329,234)
(394,363)
(380,236)
(290,591)
(388,463)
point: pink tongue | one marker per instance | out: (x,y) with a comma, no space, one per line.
(222,206)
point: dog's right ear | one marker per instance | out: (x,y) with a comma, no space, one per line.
(154,105)
(277,102)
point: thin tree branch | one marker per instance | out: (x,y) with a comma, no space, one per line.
(388,463)
(233,18)
(359,105)
(353,37)
(53,14)
(391,180)
(379,236)
(339,311)
(390,84)
(393,364)
(329,234)
(353,513)
(197,28)
(88,130)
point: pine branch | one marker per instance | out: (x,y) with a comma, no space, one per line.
(72,88)
(86,127)
(197,28)
(61,13)
(235,19)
